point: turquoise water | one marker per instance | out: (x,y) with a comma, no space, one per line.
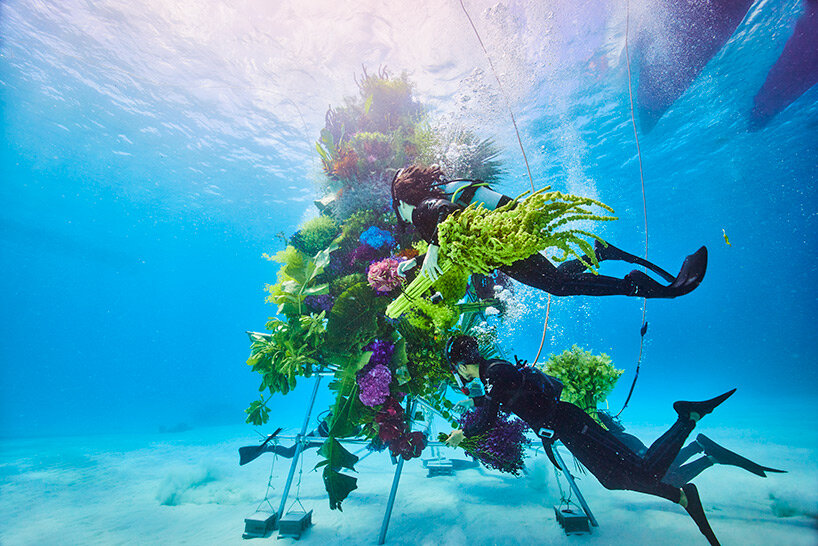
(150,154)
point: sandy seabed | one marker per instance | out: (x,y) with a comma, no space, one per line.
(187,488)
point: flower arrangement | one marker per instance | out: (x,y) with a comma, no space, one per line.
(502,447)
(587,378)
(480,240)
(338,273)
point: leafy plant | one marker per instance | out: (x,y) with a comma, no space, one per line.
(297,279)
(353,321)
(481,240)
(587,378)
(315,235)
(291,349)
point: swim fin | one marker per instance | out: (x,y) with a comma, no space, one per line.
(723,455)
(696,511)
(690,276)
(605,251)
(684,409)
(251,453)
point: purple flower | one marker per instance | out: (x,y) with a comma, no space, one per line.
(374,385)
(364,253)
(322,302)
(501,447)
(381,352)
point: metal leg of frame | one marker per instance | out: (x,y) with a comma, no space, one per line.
(299,447)
(574,487)
(410,406)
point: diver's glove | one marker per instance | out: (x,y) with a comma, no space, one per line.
(430,266)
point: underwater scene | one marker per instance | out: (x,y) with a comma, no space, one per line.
(488,272)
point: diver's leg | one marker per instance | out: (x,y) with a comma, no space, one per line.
(678,476)
(537,271)
(693,505)
(664,451)
(605,252)
(687,452)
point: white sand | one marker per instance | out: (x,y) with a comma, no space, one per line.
(110,490)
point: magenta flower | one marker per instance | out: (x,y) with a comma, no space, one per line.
(383,275)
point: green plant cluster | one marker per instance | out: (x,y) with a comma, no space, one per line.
(587,378)
(290,350)
(480,240)
(315,235)
(298,279)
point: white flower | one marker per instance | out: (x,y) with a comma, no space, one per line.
(492,311)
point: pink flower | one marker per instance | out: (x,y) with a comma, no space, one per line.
(383,275)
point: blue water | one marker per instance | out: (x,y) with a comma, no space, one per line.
(149,156)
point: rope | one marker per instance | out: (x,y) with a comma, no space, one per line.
(269,483)
(522,149)
(303,440)
(563,499)
(644,202)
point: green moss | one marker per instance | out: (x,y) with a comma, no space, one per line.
(342,284)
(434,317)
(587,378)
(315,235)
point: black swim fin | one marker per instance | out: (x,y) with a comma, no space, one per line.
(696,511)
(723,455)
(684,409)
(690,276)
(251,453)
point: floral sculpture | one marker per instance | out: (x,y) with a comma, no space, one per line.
(338,274)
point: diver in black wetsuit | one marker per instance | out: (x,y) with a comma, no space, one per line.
(419,198)
(680,471)
(534,398)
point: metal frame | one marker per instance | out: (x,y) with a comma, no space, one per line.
(574,487)
(411,404)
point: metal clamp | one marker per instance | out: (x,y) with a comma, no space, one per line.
(546,433)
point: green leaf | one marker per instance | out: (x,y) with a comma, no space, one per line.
(346,414)
(353,318)
(336,455)
(316,290)
(399,357)
(368,104)
(338,486)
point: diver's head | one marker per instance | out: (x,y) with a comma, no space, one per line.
(414,184)
(464,357)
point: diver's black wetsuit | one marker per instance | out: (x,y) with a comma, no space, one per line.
(570,278)
(612,462)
